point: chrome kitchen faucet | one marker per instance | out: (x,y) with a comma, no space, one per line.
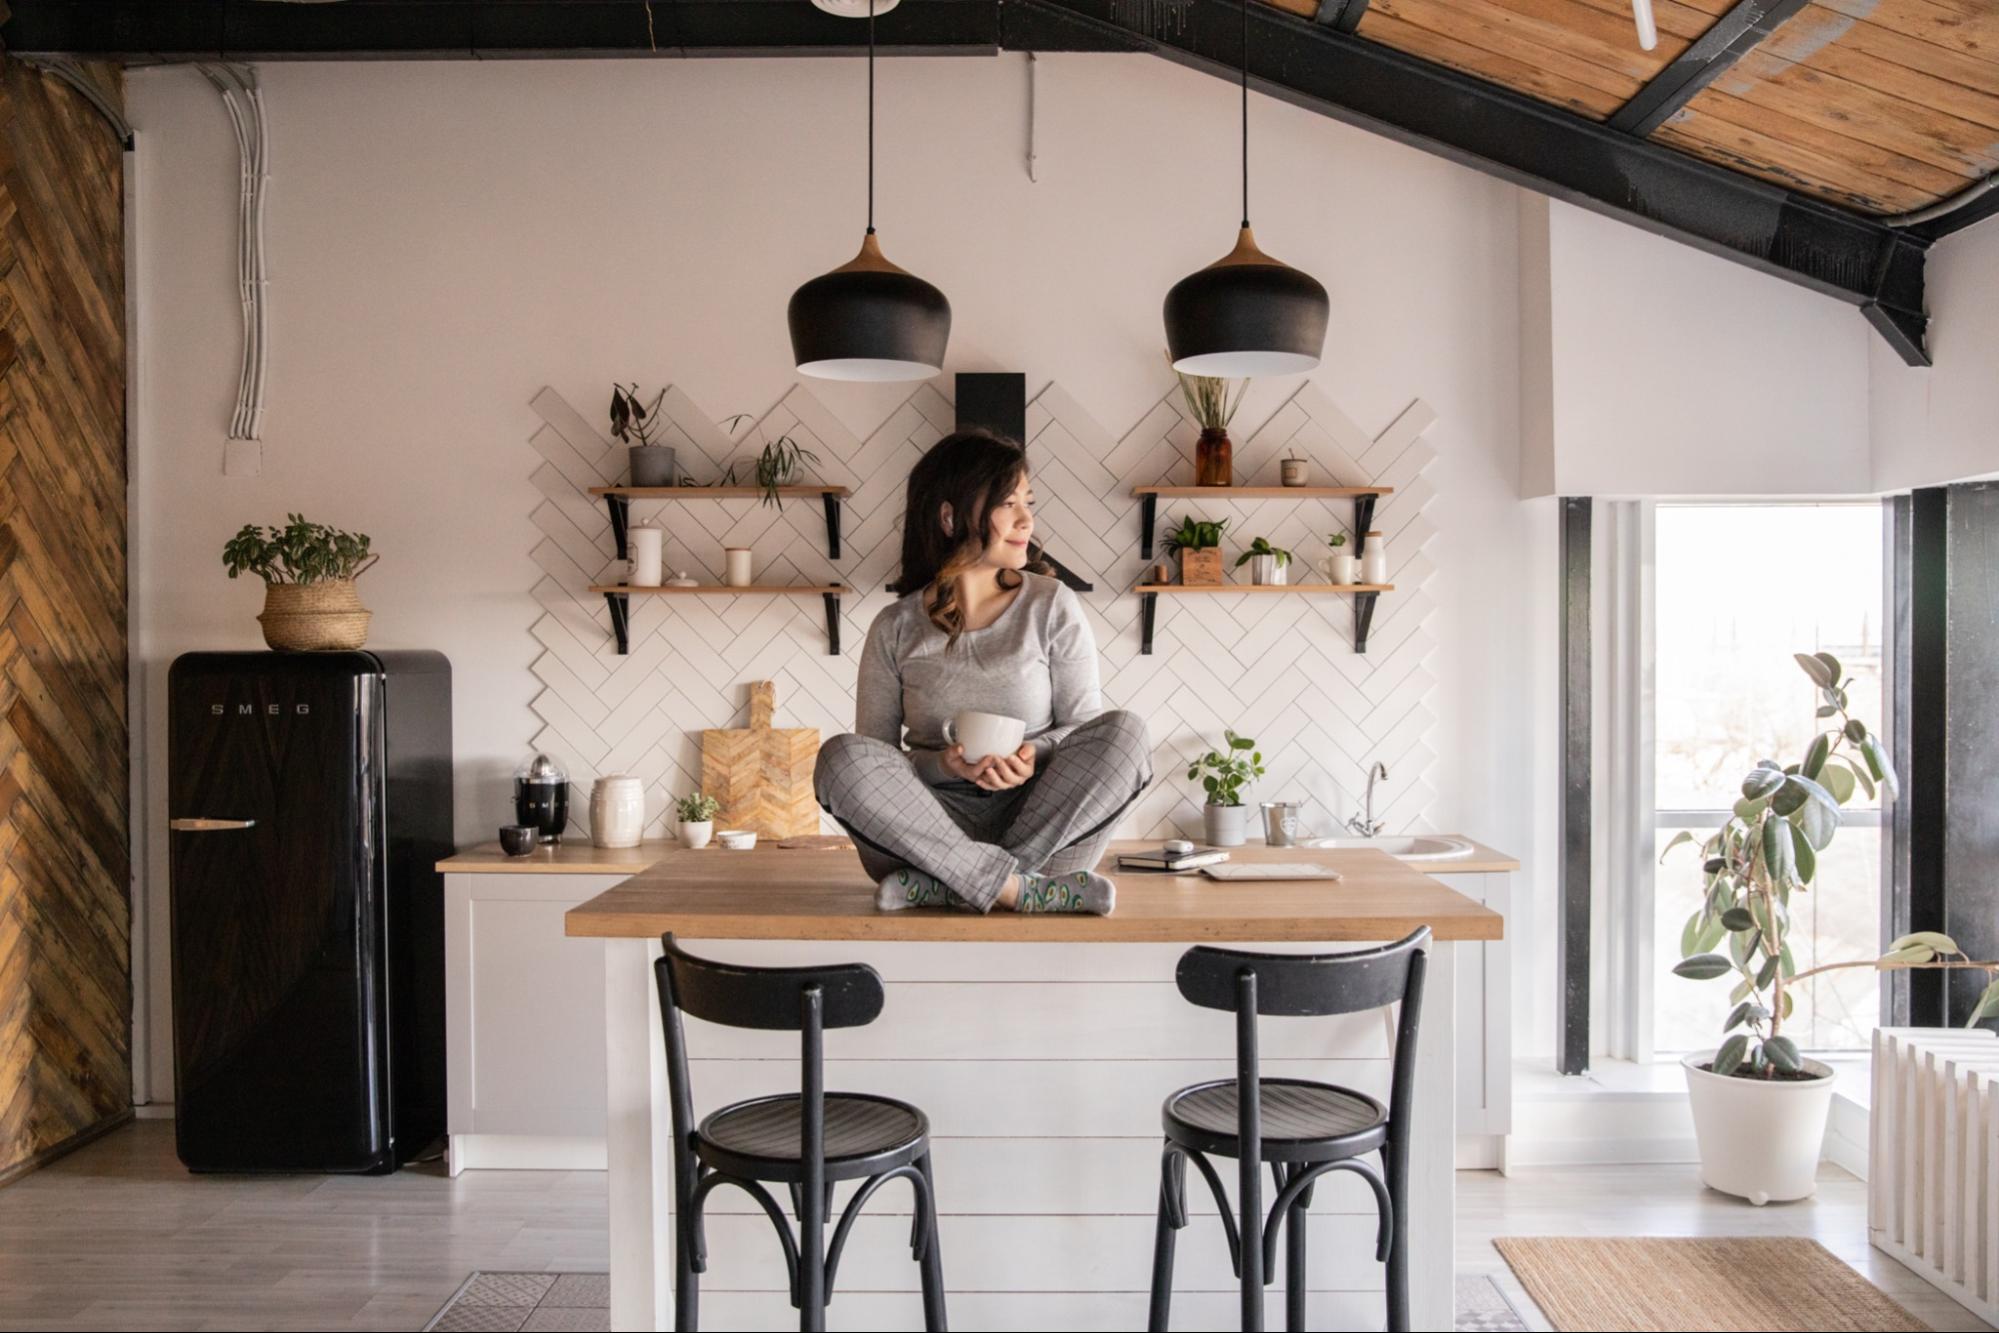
(1365,824)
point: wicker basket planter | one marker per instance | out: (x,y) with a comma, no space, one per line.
(314,617)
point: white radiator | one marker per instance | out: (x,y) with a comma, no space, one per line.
(1933,1159)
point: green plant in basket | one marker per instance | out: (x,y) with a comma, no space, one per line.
(1765,854)
(299,552)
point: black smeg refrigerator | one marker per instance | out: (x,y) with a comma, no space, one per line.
(309,801)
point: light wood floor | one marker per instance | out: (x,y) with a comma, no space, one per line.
(119,1236)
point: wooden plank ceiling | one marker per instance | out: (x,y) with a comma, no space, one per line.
(1881,106)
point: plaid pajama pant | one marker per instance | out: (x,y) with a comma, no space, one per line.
(971,839)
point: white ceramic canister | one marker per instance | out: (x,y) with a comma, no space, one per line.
(647,545)
(617,811)
(738,572)
(1374,560)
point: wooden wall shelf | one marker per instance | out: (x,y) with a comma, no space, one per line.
(618,596)
(618,500)
(1363,594)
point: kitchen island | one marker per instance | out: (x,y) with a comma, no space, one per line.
(1041,1048)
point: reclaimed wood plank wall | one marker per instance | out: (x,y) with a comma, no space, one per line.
(65,909)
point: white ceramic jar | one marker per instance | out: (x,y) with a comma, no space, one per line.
(617,811)
(738,572)
(1374,560)
(647,546)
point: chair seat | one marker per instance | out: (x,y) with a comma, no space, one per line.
(760,1139)
(1302,1121)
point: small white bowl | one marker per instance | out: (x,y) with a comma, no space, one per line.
(737,839)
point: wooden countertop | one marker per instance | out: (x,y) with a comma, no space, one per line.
(575,857)
(773,893)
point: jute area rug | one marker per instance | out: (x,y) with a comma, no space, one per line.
(1697,1284)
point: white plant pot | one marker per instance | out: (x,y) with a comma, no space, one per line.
(1759,1139)
(696,835)
(1265,571)
(1225,825)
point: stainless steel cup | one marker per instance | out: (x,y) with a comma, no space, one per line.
(1281,820)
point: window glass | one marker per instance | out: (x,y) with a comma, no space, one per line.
(1739,589)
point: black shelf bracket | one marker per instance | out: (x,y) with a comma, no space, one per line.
(832,528)
(621,619)
(621,522)
(1363,617)
(1363,519)
(832,616)
(1148,518)
(1148,612)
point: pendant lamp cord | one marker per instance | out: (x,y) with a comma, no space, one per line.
(1245,110)
(871,118)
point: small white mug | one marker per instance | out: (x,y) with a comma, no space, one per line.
(738,572)
(984,734)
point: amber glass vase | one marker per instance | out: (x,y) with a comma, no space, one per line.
(1214,459)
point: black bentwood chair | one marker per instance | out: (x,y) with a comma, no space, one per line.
(1303,1129)
(806,1141)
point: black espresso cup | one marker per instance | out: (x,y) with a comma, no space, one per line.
(519,839)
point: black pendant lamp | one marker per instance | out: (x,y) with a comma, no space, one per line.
(1246,314)
(868,319)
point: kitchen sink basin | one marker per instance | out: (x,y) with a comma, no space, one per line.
(1407,847)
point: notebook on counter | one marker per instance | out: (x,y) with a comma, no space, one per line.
(1158,858)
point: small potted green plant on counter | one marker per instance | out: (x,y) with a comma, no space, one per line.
(696,814)
(1198,543)
(1224,774)
(1267,563)
(308,569)
(1759,1104)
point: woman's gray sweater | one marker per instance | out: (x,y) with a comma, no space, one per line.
(1037,662)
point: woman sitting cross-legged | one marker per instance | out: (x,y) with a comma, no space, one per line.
(978,629)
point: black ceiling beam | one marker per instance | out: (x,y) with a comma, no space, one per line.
(1552,151)
(1343,15)
(142,30)
(1974,210)
(1727,40)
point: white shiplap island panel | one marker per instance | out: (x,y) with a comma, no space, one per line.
(1041,1051)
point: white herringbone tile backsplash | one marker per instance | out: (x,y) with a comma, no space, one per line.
(1279,668)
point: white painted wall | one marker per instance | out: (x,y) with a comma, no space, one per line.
(445,239)
(1940,423)
(1670,372)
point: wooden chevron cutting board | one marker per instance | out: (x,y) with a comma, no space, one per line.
(762,774)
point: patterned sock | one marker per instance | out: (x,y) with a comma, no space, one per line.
(909,887)
(1077,891)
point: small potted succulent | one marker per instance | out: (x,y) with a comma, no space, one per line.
(1212,407)
(639,426)
(308,570)
(1759,1103)
(696,814)
(1267,563)
(1199,546)
(1223,774)
(1341,566)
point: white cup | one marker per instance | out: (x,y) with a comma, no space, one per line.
(984,734)
(738,572)
(647,546)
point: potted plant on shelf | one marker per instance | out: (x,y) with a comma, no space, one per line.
(1266,563)
(696,814)
(1199,546)
(638,425)
(1225,817)
(1759,1104)
(308,571)
(1340,563)
(1212,407)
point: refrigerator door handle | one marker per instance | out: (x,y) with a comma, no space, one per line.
(208,825)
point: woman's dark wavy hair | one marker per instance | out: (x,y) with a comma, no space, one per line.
(973,471)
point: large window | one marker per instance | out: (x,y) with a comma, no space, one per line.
(1738,590)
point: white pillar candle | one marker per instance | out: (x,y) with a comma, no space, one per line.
(739,572)
(647,546)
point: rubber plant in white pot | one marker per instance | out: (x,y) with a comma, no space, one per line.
(1225,818)
(1759,1104)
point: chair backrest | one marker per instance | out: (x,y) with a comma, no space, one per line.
(1313,985)
(806,1000)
